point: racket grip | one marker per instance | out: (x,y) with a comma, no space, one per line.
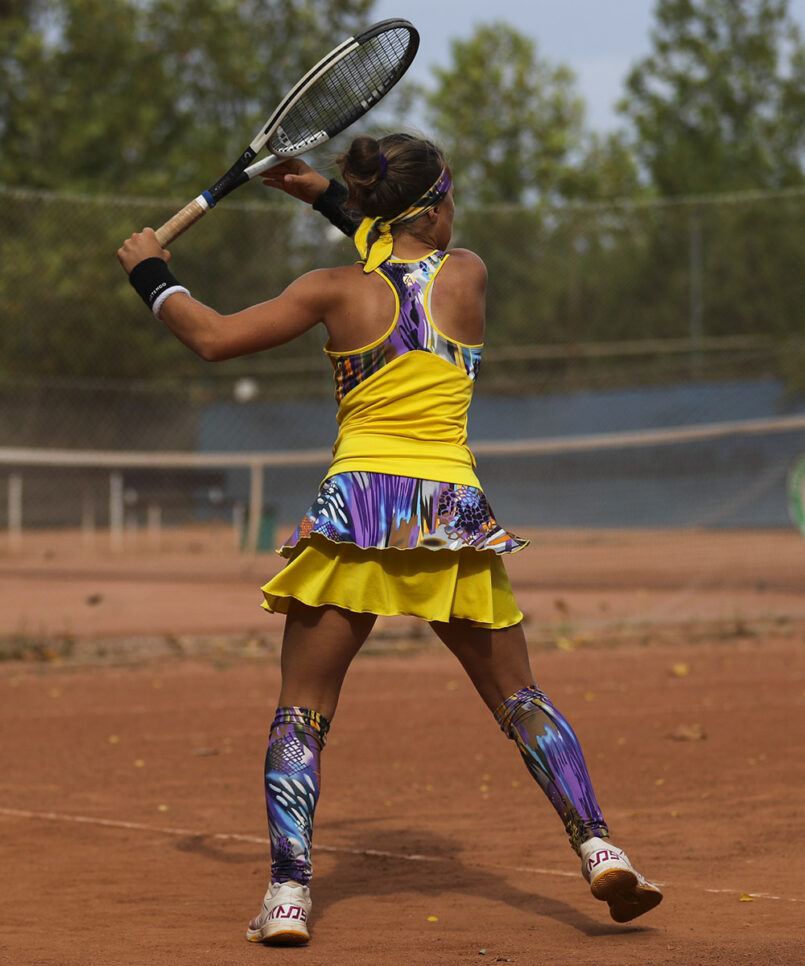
(181,221)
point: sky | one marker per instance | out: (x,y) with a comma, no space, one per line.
(599,41)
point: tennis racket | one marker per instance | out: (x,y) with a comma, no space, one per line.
(342,87)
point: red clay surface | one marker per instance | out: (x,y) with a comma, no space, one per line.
(135,701)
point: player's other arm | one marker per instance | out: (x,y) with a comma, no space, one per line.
(214,336)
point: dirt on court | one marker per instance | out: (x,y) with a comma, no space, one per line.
(136,694)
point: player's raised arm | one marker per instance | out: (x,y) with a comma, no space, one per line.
(296,178)
(210,334)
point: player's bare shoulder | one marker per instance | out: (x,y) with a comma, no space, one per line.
(330,286)
(467,269)
(458,300)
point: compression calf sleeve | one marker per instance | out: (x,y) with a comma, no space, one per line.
(292,781)
(554,757)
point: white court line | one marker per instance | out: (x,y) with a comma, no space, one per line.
(259,840)
(220,836)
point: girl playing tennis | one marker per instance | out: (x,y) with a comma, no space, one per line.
(400,524)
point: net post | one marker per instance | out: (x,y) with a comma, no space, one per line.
(15,511)
(116,511)
(88,521)
(238,520)
(255,507)
(154,526)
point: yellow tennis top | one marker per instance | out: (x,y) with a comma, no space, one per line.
(403,399)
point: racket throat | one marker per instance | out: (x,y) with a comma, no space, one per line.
(234,178)
(283,145)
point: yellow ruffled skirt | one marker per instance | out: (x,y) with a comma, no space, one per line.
(436,585)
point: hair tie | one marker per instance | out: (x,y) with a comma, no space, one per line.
(384,166)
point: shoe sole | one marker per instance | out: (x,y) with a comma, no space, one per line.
(281,937)
(628,898)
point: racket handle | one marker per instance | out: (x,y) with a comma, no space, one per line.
(181,221)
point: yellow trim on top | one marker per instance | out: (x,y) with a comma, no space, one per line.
(426,306)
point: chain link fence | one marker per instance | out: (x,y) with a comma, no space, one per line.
(591,309)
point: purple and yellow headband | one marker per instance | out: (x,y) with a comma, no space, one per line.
(375,254)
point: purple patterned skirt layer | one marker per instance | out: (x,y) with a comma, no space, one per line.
(380,510)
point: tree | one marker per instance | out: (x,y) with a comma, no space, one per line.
(605,169)
(719,105)
(510,119)
(148,96)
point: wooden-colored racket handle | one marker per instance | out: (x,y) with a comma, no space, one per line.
(180,222)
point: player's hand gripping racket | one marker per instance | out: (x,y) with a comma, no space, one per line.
(342,87)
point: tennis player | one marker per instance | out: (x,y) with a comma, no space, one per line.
(400,524)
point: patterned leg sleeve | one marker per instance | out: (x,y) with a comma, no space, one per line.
(292,780)
(554,757)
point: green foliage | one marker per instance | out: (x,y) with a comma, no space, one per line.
(152,96)
(606,169)
(508,118)
(719,105)
(512,122)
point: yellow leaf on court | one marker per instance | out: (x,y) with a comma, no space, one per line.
(114,739)
(433,918)
(565,644)
(680,670)
(162,808)
(139,763)
(746,897)
(691,732)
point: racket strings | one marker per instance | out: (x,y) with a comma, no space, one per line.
(345,91)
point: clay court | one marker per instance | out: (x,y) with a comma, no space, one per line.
(137,689)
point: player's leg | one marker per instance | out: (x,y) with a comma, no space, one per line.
(498,665)
(318,646)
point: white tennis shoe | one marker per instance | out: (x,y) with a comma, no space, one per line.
(614,880)
(284,916)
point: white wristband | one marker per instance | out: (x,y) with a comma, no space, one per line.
(159,301)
